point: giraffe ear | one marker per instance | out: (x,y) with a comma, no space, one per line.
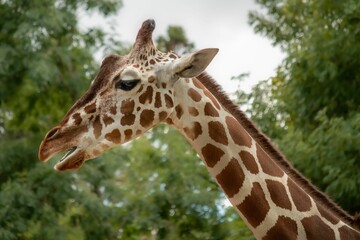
(193,64)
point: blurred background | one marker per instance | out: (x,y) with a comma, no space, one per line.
(292,66)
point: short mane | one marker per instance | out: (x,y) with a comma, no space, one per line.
(275,154)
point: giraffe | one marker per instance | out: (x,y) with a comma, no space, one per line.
(135,92)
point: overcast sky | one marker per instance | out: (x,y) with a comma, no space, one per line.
(207,23)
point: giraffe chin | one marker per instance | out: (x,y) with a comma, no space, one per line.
(73,160)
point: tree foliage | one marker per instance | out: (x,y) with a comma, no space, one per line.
(321,39)
(175,40)
(311,107)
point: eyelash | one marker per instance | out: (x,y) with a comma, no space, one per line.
(126,85)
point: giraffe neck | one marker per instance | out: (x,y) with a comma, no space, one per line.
(272,202)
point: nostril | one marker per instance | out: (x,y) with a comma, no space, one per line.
(52,133)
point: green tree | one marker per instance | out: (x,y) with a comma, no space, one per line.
(314,94)
(321,40)
(175,40)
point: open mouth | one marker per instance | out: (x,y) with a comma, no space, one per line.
(73,159)
(68,153)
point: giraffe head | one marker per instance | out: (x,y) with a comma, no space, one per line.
(130,95)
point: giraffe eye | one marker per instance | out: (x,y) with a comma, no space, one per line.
(126,85)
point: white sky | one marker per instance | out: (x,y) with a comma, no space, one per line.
(207,23)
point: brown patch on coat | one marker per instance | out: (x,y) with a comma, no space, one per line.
(212,154)
(327,215)
(158,103)
(194,131)
(194,95)
(127,106)
(217,132)
(267,164)
(212,99)
(209,110)
(249,162)
(96,152)
(348,233)
(198,84)
(151,79)
(231,178)
(104,146)
(107,120)
(97,126)
(169,121)
(162,115)
(284,228)
(77,119)
(179,111)
(113,110)
(91,108)
(140,89)
(114,136)
(168,101)
(193,111)
(104,92)
(147,118)
(127,120)
(301,199)
(315,227)
(237,132)
(255,206)
(128,134)
(146,96)
(278,194)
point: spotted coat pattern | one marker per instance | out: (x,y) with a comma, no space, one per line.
(268,199)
